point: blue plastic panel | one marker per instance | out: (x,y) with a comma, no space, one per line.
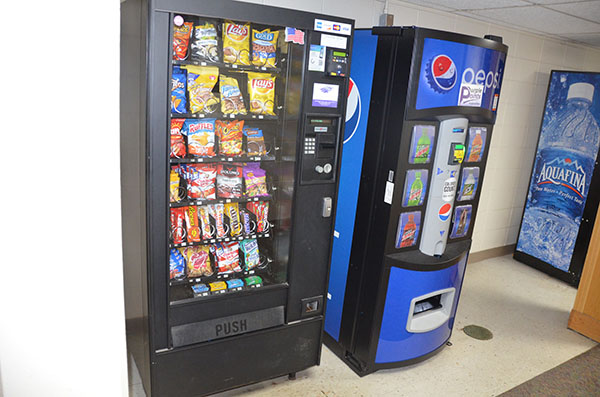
(457,74)
(395,342)
(359,97)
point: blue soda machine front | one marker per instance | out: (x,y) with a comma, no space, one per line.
(421,109)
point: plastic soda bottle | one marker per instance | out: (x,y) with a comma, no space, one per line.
(559,185)
(409,232)
(468,189)
(476,147)
(416,189)
(423,147)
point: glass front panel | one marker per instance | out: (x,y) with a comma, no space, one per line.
(231,161)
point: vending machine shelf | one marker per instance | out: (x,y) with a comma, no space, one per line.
(184,203)
(221,159)
(220,115)
(234,68)
(223,239)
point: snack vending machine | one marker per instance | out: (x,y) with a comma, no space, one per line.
(231,126)
(421,109)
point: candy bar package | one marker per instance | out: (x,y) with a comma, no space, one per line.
(181,39)
(200,82)
(261,87)
(233,213)
(204,216)
(201,137)
(174,182)
(251,255)
(178,224)
(198,261)
(230,135)
(178,149)
(232,101)
(247,223)
(227,257)
(229,181)
(264,51)
(261,211)
(236,42)
(255,142)
(217,211)
(234,283)
(217,286)
(192,226)
(201,181)
(204,43)
(176,265)
(200,289)
(255,179)
(178,85)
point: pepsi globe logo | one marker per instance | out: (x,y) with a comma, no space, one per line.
(444,212)
(353,110)
(441,73)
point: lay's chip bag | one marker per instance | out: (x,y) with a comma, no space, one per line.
(264,50)
(236,42)
(261,87)
(200,82)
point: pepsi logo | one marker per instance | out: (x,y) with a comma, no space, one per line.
(444,212)
(441,72)
(353,110)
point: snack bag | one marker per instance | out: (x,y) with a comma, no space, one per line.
(201,181)
(201,137)
(251,255)
(174,181)
(255,179)
(198,261)
(227,257)
(178,149)
(229,181)
(203,214)
(264,48)
(236,41)
(233,213)
(181,39)
(176,265)
(200,82)
(177,224)
(232,101)
(191,222)
(178,101)
(255,142)
(261,88)
(217,211)
(230,135)
(204,43)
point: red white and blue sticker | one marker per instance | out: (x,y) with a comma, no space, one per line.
(444,212)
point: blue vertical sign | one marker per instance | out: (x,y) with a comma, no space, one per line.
(357,114)
(563,168)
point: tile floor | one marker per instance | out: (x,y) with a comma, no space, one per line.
(526,310)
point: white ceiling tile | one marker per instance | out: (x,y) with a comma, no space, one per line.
(540,19)
(552,1)
(592,39)
(470,4)
(589,10)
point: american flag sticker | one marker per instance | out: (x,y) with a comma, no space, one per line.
(294,35)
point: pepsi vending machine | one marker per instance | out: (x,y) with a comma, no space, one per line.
(421,109)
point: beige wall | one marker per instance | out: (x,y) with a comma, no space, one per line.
(530,59)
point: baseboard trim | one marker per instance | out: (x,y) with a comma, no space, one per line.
(585,325)
(491,253)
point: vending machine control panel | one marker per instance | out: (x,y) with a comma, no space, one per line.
(319,148)
(336,62)
(444,182)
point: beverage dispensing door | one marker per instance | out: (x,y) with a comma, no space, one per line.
(444,180)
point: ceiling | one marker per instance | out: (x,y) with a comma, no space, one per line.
(573,20)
